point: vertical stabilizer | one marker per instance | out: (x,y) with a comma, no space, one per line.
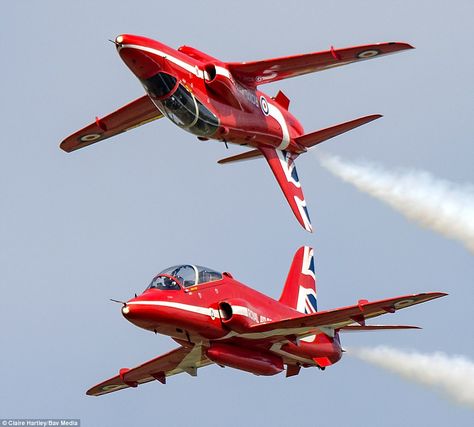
(282,164)
(300,287)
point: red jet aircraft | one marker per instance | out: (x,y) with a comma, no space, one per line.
(219,100)
(216,319)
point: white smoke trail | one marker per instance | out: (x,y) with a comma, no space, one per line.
(443,206)
(451,375)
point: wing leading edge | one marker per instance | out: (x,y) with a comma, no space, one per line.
(132,115)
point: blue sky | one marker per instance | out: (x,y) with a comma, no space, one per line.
(79,229)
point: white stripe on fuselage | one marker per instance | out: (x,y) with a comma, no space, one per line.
(211,312)
(239,310)
(194,69)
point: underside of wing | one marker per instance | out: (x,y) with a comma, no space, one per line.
(255,73)
(182,359)
(282,164)
(341,317)
(132,115)
(364,328)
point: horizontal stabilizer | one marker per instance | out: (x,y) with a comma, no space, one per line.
(248,155)
(319,136)
(363,328)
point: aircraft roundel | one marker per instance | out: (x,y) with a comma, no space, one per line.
(264,106)
(368,53)
(403,303)
(90,137)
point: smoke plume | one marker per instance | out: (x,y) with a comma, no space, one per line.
(453,376)
(443,206)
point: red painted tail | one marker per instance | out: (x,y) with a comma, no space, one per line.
(300,287)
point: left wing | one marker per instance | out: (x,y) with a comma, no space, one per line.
(283,167)
(182,359)
(340,317)
(255,73)
(132,115)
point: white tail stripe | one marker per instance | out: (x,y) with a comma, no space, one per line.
(301,205)
(307,259)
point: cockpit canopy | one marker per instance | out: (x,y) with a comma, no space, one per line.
(186,275)
(180,105)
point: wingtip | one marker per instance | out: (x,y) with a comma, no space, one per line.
(403,45)
(63,147)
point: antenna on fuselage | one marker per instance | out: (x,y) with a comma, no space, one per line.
(115,43)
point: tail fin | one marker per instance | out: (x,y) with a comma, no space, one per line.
(319,136)
(282,164)
(300,287)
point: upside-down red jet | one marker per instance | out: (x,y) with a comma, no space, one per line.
(219,100)
(216,319)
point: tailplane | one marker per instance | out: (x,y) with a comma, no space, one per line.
(300,287)
(311,139)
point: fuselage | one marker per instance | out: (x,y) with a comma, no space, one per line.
(197,93)
(221,311)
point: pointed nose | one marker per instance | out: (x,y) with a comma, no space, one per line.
(140,58)
(125,310)
(136,314)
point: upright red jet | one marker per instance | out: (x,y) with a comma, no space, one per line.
(216,319)
(220,100)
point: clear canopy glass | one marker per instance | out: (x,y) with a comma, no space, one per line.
(180,105)
(185,275)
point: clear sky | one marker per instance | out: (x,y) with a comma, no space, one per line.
(78,229)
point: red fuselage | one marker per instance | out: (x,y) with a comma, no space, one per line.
(208,101)
(217,313)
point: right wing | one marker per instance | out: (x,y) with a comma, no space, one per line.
(132,115)
(339,317)
(254,73)
(182,359)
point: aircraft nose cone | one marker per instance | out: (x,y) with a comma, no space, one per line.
(138,314)
(141,59)
(119,40)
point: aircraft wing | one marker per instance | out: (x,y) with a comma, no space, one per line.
(364,328)
(132,115)
(182,359)
(255,73)
(340,317)
(282,164)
